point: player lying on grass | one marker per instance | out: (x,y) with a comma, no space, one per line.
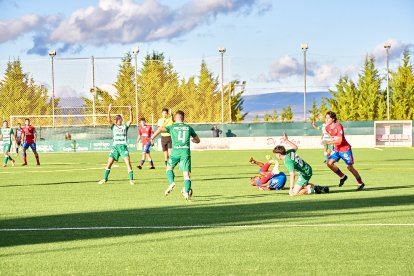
(8,137)
(294,164)
(119,144)
(342,150)
(268,180)
(29,138)
(181,134)
(325,138)
(144,134)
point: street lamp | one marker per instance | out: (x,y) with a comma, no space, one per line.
(135,51)
(304,47)
(222,51)
(387,47)
(52,54)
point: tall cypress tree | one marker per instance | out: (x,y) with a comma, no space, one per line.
(402,88)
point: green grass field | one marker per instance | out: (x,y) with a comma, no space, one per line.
(242,231)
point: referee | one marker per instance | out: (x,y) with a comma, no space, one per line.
(166,143)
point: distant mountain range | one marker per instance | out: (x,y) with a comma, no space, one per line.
(259,104)
(253,104)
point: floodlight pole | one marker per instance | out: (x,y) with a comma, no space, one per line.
(52,55)
(387,47)
(304,47)
(222,51)
(135,51)
(94,94)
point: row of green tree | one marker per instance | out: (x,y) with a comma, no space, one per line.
(366,99)
(159,86)
(285,116)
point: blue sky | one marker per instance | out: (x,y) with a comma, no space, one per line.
(262,37)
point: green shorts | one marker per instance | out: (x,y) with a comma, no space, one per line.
(6,147)
(184,160)
(329,146)
(303,180)
(119,150)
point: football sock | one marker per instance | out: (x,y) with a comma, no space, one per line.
(187,185)
(340,174)
(359,180)
(6,158)
(106,174)
(142,162)
(11,159)
(131,175)
(37,158)
(24,158)
(265,167)
(170,176)
(326,156)
(151,163)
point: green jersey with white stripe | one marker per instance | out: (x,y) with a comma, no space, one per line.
(119,134)
(325,134)
(7,135)
(180,136)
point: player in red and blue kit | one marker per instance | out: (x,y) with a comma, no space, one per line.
(342,150)
(144,133)
(29,138)
(268,180)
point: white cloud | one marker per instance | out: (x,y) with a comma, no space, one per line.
(125,21)
(397,47)
(12,29)
(326,73)
(284,67)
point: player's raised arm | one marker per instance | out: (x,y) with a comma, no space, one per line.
(314,125)
(158,132)
(131,115)
(290,143)
(109,115)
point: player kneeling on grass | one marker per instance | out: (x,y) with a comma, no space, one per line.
(181,134)
(8,137)
(268,180)
(294,164)
(119,145)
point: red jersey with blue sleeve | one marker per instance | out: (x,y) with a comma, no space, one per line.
(29,132)
(337,130)
(145,133)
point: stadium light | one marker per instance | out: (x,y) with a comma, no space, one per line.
(52,54)
(304,47)
(387,47)
(135,51)
(222,50)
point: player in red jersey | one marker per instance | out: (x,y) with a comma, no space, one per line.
(342,150)
(144,134)
(29,138)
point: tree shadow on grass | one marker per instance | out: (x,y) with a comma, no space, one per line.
(186,215)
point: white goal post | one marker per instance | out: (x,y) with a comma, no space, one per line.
(393,133)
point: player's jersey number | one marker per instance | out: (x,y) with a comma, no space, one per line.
(181,136)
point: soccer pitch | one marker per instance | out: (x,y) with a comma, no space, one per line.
(78,227)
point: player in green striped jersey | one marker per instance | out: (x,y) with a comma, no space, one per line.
(119,144)
(325,138)
(8,137)
(181,135)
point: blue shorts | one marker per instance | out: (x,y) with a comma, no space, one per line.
(31,145)
(277,182)
(146,148)
(346,156)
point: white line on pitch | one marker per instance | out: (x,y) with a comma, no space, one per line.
(206,227)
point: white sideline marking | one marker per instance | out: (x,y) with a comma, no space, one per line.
(378,149)
(207,227)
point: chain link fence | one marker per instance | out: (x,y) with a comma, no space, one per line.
(77,91)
